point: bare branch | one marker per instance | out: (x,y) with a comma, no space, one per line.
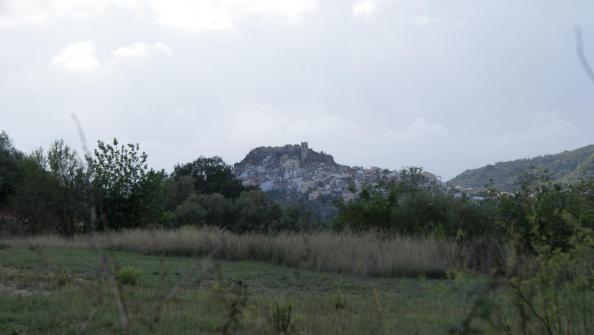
(81,134)
(581,55)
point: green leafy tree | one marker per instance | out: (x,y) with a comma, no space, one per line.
(9,167)
(190,212)
(205,192)
(51,195)
(256,212)
(206,209)
(538,214)
(178,190)
(72,188)
(129,194)
(297,217)
(252,211)
(211,175)
(33,200)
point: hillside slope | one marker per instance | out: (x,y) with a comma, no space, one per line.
(566,167)
(300,170)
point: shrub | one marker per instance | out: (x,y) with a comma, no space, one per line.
(129,275)
(547,215)
(558,298)
(549,280)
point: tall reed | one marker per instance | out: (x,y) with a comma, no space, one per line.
(359,254)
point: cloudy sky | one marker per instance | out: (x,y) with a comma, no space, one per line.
(447,85)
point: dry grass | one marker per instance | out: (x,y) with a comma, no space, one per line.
(365,255)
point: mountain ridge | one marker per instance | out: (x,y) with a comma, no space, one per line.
(566,167)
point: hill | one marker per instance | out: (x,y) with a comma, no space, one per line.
(566,167)
(298,169)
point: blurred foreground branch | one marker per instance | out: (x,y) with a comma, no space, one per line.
(581,55)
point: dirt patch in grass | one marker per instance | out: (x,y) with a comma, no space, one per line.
(25,282)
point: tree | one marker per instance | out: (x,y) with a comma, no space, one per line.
(412,179)
(51,195)
(128,193)
(413,205)
(177,191)
(211,175)
(9,167)
(256,212)
(72,187)
(547,214)
(33,200)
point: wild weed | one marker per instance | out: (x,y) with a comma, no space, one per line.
(281,319)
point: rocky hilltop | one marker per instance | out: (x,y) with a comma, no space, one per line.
(297,168)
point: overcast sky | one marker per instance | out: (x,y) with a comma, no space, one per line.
(446,85)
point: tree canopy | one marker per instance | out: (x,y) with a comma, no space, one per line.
(211,175)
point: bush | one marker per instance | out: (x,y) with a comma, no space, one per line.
(129,275)
(547,214)
(549,280)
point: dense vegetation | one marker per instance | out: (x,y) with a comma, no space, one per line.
(536,245)
(112,188)
(565,168)
(56,190)
(413,205)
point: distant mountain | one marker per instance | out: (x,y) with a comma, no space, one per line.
(566,167)
(299,169)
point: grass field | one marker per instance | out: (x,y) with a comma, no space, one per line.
(68,291)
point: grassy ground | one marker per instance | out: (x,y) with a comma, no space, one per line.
(68,291)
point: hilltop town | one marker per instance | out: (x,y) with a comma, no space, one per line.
(297,168)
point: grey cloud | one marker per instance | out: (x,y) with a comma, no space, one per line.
(482,82)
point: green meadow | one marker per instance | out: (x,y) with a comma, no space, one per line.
(87,291)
